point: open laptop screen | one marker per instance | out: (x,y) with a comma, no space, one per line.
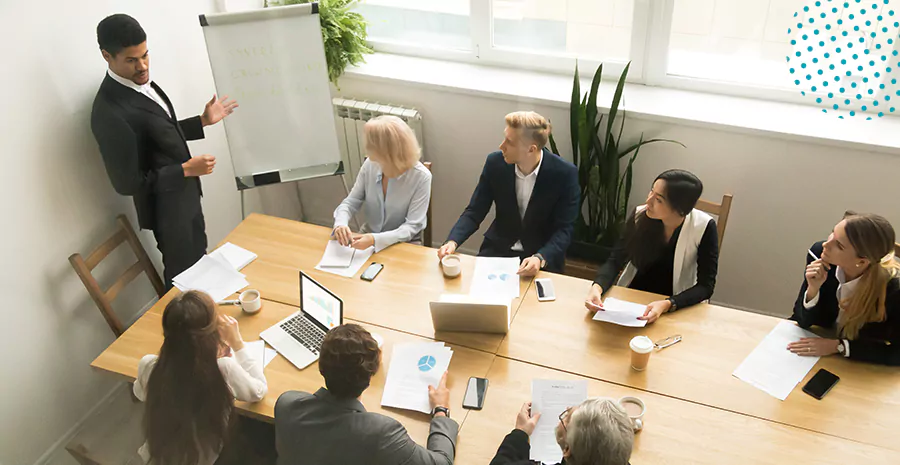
(324,307)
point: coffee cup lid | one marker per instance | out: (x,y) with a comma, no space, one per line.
(641,344)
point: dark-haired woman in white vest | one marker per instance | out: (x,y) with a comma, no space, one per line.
(669,248)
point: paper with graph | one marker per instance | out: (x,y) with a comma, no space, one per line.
(496,276)
(413,367)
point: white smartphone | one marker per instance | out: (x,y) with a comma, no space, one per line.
(545,290)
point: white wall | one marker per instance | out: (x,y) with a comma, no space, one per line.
(786,194)
(58,200)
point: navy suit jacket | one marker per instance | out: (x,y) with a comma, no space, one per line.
(549,219)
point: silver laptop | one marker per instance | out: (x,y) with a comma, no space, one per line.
(474,314)
(299,337)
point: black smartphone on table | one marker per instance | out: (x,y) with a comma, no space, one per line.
(475,392)
(371,272)
(821,383)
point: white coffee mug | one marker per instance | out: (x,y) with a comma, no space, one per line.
(250,301)
(635,409)
(451,265)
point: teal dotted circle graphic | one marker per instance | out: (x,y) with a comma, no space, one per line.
(846,56)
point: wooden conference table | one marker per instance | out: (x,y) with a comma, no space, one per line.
(697,412)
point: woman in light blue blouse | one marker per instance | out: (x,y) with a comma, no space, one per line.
(393,188)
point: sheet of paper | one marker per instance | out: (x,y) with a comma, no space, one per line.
(213,276)
(337,255)
(496,276)
(550,398)
(260,350)
(359,258)
(771,367)
(622,313)
(238,257)
(413,367)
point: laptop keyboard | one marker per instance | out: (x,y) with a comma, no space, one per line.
(305,333)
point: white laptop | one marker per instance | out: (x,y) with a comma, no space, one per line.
(299,337)
(471,313)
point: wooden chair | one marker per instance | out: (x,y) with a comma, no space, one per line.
(426,235)
(102,298)
(897,251)
(721,211)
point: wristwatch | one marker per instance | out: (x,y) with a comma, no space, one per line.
(674,305)
(841,348)
(541,258)
(437,409)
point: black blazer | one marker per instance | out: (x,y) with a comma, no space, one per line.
(549,219)
(877,342)
(143,149)
(515,450)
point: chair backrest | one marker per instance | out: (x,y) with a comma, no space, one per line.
(721,211)
(103,299)
(426,235)
(897,251)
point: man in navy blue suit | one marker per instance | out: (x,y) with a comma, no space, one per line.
(536,195)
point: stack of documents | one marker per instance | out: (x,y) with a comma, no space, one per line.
(238,257)
(343,261)
(771,367)
(622,313)
(414,367)
(496,277)
(550,399)
(212,275)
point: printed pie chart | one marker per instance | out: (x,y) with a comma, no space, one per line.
(427,363)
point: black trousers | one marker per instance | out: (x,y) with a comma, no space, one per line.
(181,243)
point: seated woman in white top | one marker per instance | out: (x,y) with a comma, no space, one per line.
(669,248)
(392,188)
(189,389)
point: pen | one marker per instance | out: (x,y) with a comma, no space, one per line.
(811,254)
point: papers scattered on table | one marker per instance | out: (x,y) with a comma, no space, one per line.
(550,398)
(238,257)
(259,349)
(343,261)
(213,275)
(771,367)
(413,368)
(496,276)
(622,313)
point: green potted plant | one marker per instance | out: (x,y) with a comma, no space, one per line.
(598,153)
(343,31)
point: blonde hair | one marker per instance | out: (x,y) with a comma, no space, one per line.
(872,237)
(599,433)
(532,126)
(394,143)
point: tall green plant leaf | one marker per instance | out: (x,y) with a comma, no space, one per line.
(574,124)
(617,97)
(553,145)
(591,110)
(634,147)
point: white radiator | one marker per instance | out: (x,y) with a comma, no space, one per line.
(351,115)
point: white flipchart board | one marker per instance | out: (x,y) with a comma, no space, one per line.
(272,62)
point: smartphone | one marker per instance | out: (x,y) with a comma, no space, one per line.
(475,392)
(821,383)
(544,289)
(371,272)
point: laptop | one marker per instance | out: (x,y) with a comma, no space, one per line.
(474,314)
(299,337)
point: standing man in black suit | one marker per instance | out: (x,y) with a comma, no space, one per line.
(536,193)
(144,146)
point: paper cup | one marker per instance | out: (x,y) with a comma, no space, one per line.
(641,348)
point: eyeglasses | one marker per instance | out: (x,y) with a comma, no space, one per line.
(563,416)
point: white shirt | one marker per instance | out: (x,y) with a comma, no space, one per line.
(844,290)
(399,217)
(524,188)
(243,374)
(145,89)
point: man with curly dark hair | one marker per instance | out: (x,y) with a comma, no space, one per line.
(333,427)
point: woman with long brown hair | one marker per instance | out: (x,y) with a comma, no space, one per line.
(189,389)
(854,286)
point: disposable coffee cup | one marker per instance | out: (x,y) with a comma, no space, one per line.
(250,301)
(450,264)
(641,348)
(635,409)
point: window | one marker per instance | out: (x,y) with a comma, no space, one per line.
(727,46)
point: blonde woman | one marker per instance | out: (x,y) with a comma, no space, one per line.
(393,188)
(854,285)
